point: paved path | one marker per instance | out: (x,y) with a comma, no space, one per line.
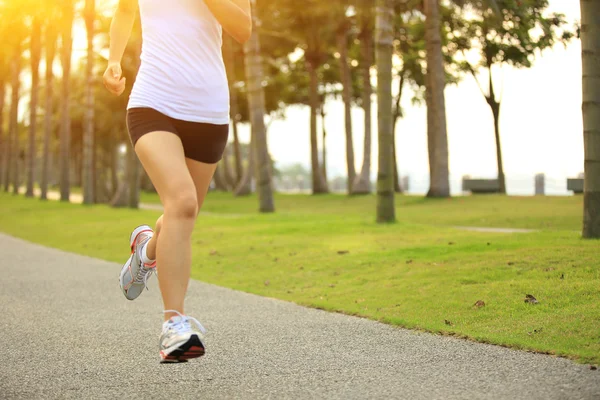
(67,332)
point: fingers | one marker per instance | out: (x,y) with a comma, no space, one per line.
(113,80)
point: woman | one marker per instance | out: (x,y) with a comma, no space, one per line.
(178,120)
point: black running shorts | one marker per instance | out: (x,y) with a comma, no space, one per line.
(201,142)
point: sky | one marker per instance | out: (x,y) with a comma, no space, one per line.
(541,126)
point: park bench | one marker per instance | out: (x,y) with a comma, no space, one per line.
(575,185)
(479,186)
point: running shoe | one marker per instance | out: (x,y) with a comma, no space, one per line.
(135,273)
(181,339)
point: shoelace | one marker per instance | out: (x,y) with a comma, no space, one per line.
(185,322)
(143,274)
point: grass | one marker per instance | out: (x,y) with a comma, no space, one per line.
(420,273)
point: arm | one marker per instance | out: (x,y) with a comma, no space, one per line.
(234,16)
(120,31)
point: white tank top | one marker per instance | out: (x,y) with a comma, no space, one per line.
(182,74)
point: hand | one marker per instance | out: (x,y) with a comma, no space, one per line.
(113,80)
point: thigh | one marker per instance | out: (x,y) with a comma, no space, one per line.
(202,175)
(204,145)
(162,156)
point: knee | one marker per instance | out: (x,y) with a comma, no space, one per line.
(183,205)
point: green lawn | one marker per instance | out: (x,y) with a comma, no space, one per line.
(420,273)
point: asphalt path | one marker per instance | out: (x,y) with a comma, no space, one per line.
(66,331)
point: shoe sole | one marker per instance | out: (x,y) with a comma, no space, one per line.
(193,348)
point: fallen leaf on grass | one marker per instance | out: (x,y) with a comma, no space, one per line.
(332,286)
(447,322)
(479,304)
(342,252)
(267,283)
(530,299)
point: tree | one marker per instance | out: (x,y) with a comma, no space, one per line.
(14,147)
(362,184)
(256,104)
(229,56)
(384,37)
(51,36)
(511,38)
(437,135)
(68,14)
(88,133)
(346,77)
(4,77)
(36,54)
(590,45)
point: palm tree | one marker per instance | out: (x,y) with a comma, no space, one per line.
(14,147)
(256,105)
(436,103)
(230,64)
(3,141)
(88,133)
(384,37)
(590,43)
(68,14)
(36,55)
(362,185)
(342,44)
(51,36)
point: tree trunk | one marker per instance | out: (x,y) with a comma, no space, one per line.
(397,183)
(227,175)
(318,184)
(436,110)
(219,179)
(244,188)
(385,178)
(230,63)
(362,185)
(590,43)
(35,50)
(397,114)
(3,140)
(14,145)
(256,105)
(342,43)
(65,120)
(50,49)
(324,147)
(88,128)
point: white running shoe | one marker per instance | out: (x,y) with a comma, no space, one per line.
(181,339)
(135,273)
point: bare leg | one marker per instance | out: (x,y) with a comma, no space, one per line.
(162,156)
(151,245)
